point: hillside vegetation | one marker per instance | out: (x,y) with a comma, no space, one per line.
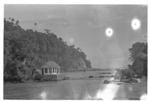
(26,50)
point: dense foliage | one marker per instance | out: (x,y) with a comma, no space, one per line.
(139,58)
(138,55)
(26,50)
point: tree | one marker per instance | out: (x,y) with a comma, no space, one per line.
(138,54)
(138,50)
(47,31)
(17,22)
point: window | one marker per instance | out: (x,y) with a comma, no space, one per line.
(57,70)
(54,70)
(50,70)
(42,71)
(46,71)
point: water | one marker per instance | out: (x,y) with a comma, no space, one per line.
(73,89)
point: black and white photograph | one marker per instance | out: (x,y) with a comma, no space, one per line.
(75,52)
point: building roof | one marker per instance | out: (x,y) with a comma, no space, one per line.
(50,64)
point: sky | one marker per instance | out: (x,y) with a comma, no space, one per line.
(104,32)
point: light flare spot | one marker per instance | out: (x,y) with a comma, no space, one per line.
(108,93)
(71,41)
(135,24)
(143,97)
(112,79)
(109,32)
(43,95)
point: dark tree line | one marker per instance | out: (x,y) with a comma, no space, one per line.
(26,50)
(138,56)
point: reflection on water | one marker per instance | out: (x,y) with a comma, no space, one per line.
(143,97)
(74,89)
(43,95)
(108,93)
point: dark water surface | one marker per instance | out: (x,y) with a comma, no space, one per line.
(74,89)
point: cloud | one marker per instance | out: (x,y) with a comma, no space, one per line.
(71,41)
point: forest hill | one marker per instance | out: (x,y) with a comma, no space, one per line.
(27,50)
